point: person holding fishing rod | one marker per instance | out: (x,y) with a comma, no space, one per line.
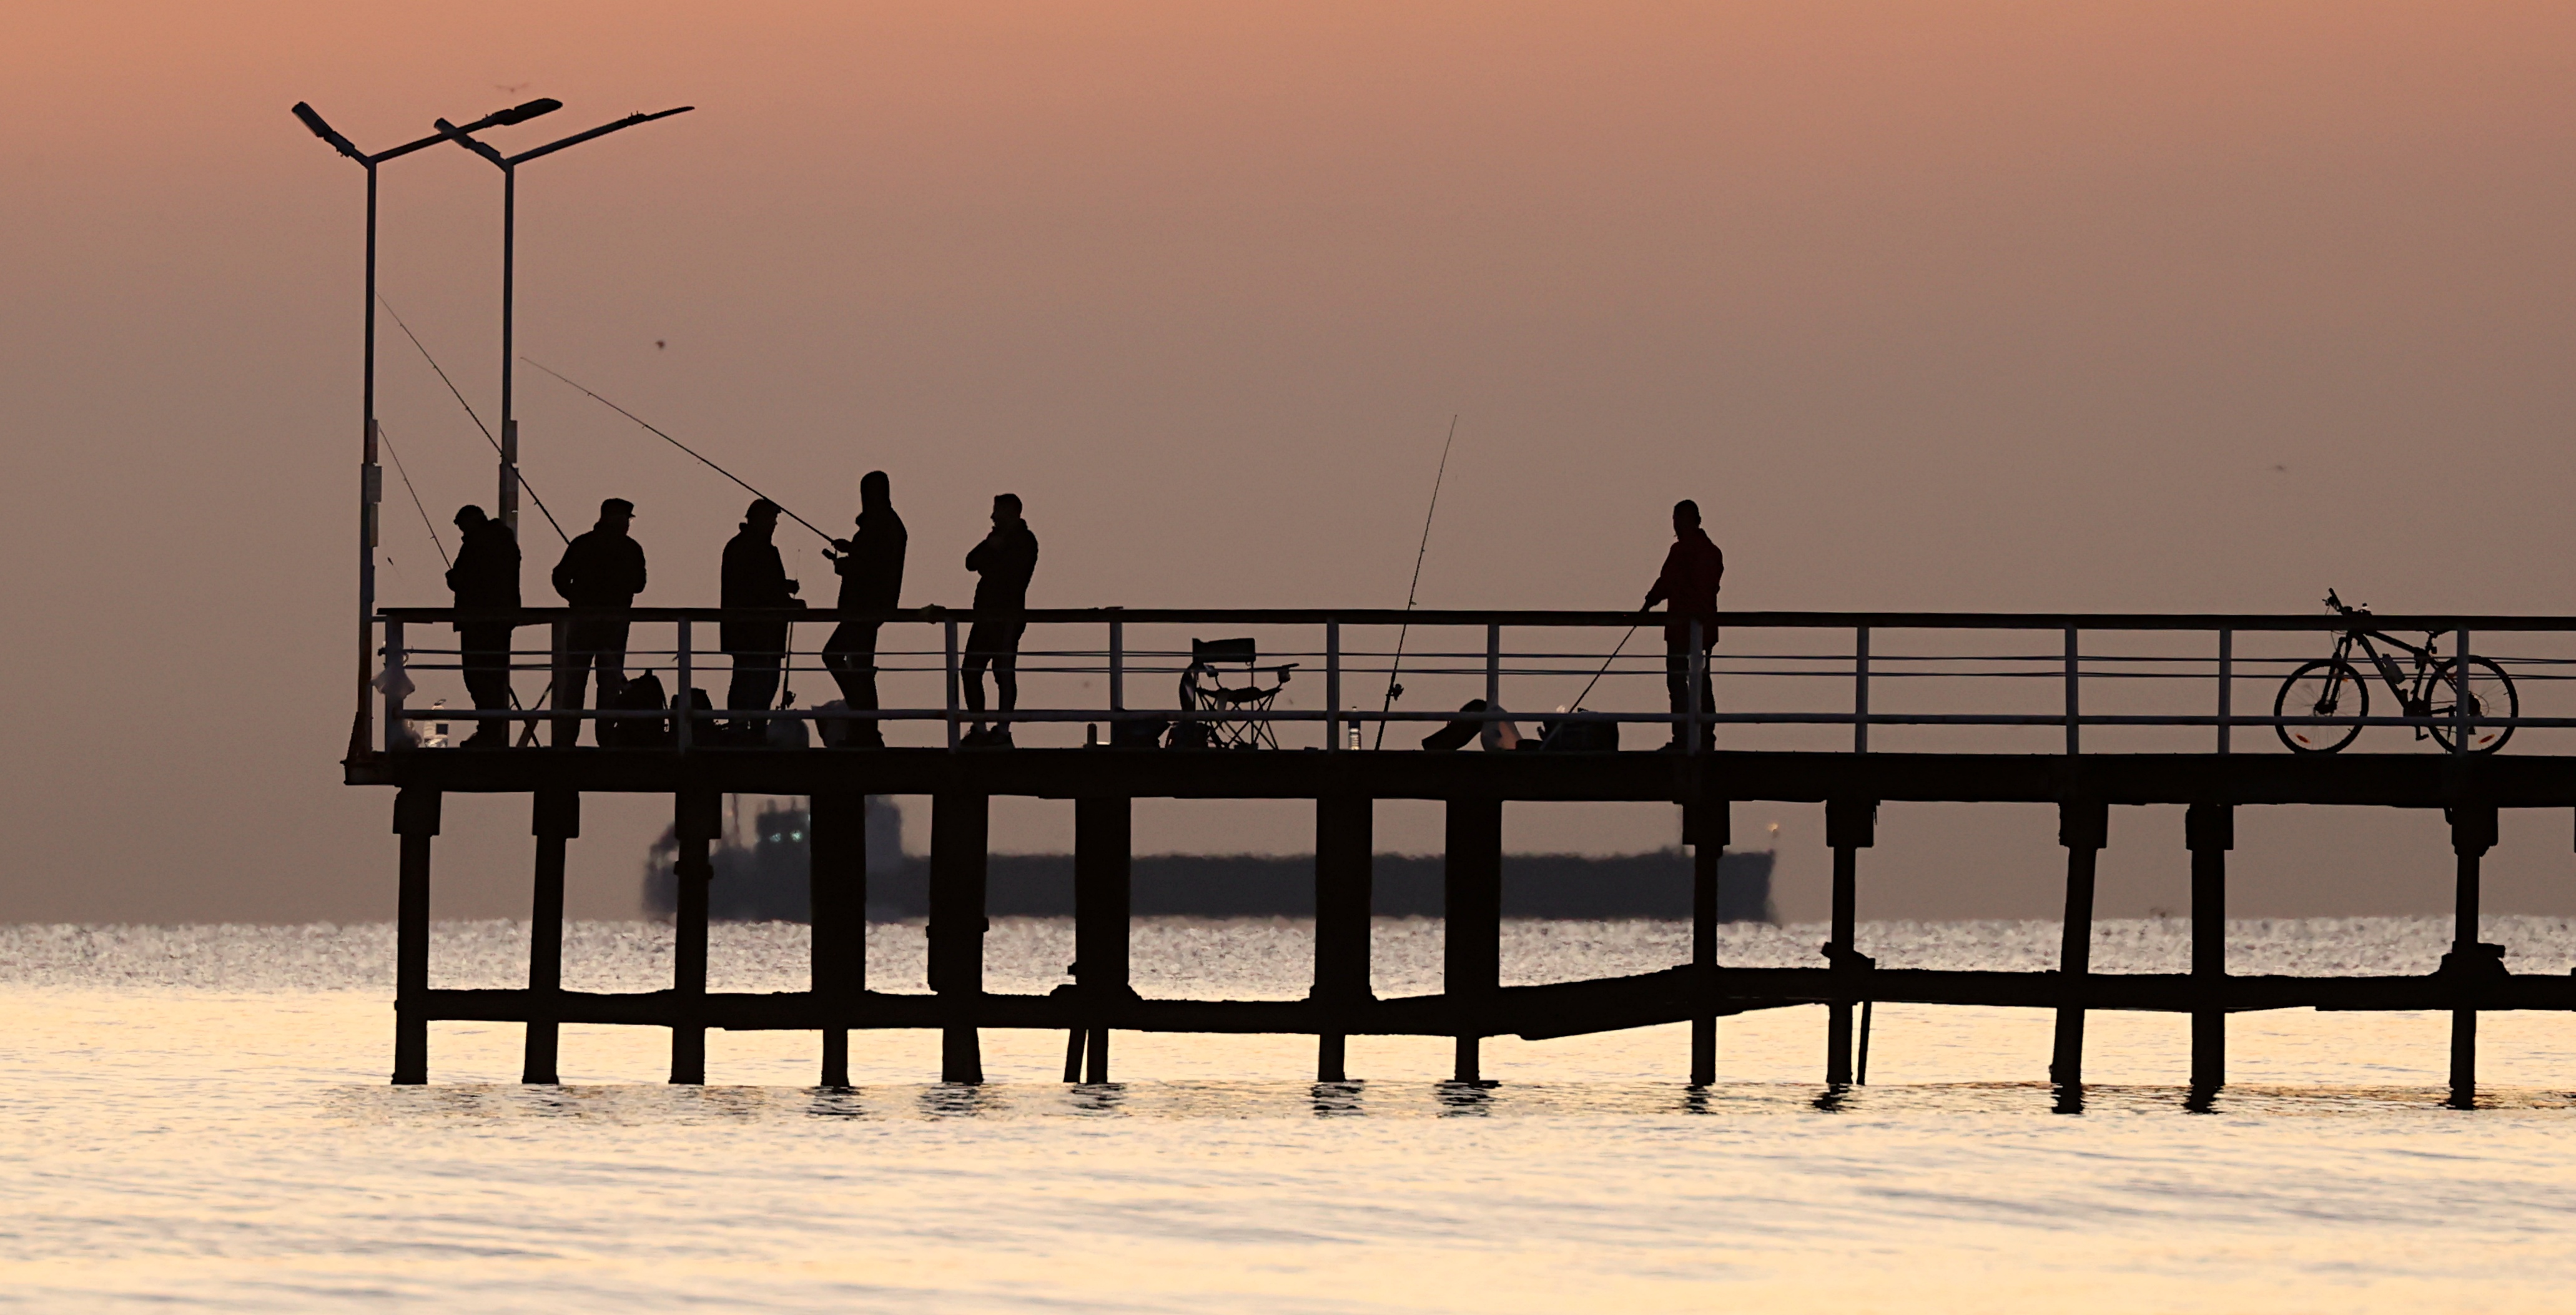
(1005,560)
(602,569)
(485,578)
(754,576)
(1688,588)
(870,564)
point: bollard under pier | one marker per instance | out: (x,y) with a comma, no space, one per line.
(698,816)
(836,828)
(556,821)
(416,821)
(1471,952)
(1103,839)
(1706,827)
(2471,964)
(1344,840)
(2209,831)
(2084,828)
(1851,825)
(960,829)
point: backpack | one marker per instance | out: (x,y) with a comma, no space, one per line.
(642,694)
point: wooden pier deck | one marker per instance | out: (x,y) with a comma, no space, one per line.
(1475,788)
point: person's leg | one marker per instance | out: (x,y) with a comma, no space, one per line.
(971,683)
(572,680)
(1006,670)
(754,688)
(1677,681)
(864,696)
(1707,698)
(486,652)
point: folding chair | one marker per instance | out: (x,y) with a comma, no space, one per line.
(1203,690)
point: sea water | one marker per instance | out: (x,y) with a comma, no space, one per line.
(197,1116)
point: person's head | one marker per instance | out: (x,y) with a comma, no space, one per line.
(469,516)
(1685,516)
(1006,508)
(876,492)
(761,515)
(616,514)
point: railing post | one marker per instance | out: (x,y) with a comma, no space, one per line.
(683,701)
(1332,686)
(1117,674)
(562,730)
(2226,689)
(2460,692)
(952,684)
(2074,733)
(396,685)
(1860,690)
(1493,673)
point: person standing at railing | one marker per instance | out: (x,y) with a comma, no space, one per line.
(485,578)
(1688,588)
(1006,559)
(601,569)
(870,564)
(754,577)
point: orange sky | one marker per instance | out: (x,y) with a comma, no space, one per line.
(1939,306)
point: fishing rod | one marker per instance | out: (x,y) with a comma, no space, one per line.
(1395,691)
(1577,705)
(470,414)
(649,427)
(425,522)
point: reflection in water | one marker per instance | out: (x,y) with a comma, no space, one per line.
(1832,1098)
(959,1099)
(2070,1098)
(1335,1099)
(1097,1098)
(1466,1098)
(2201,1098)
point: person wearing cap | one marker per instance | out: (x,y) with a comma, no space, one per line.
(754,577)
(870,564)
(601,569)
(1004,562)
(485,578)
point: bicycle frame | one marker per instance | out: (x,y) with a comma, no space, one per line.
(2411,702)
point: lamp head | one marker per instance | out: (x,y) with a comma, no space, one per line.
(524,112)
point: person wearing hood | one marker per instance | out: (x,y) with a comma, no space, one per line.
(870,564)
(485,578)
(1688,587)
(602,570)
(1004,563)
(754,577)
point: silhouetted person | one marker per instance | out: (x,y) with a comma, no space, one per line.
(1005,559)
(870,564)
(755,577)
(1689,586)
(485,578)
(603,568)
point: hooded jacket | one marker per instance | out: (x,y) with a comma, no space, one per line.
(1690,579)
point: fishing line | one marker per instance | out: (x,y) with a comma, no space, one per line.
(648,425)
(425,521)
(470,414)
(1395,691)
(1577,705)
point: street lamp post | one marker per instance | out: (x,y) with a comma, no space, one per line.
(370,474)
(509,167)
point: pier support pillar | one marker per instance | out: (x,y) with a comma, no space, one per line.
(2473,833)
(1705,827)
(836,829)
(1471,954)
(2209,830)
(1345,839)
(697,816)
(416,821)
(1851,825)
(1103,843)
(2083,827)
(555,820)
(960,829)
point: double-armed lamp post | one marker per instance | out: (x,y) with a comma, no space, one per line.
(370,474)
(509,167)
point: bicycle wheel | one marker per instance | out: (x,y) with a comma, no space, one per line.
(2323,688)
(2490,693)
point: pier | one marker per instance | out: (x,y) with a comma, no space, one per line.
(2092,714)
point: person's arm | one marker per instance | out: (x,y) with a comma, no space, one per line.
(975,555)
(637,551)
(566,578)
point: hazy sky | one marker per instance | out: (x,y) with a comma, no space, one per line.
(1955,306)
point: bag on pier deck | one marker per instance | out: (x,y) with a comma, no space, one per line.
(642,694)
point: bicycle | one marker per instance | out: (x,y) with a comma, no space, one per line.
(2333,687)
